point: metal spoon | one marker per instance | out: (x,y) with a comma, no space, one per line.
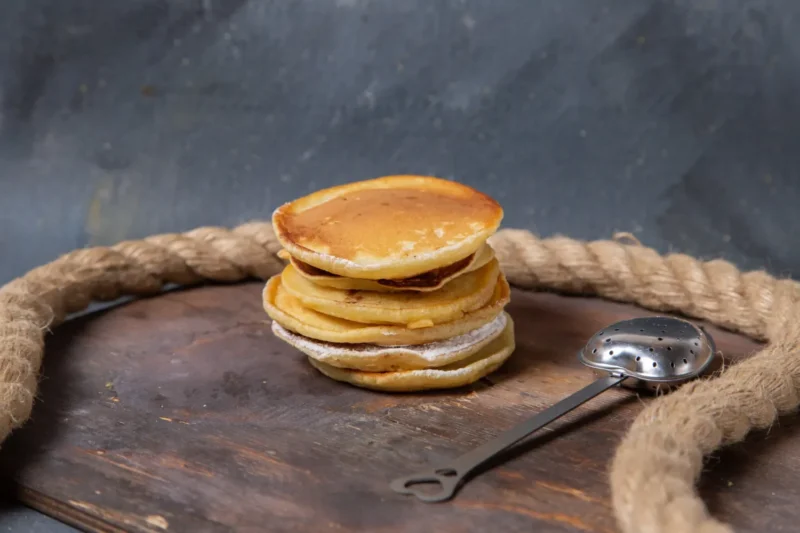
(656,353)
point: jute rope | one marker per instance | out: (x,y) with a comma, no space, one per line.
(654,471)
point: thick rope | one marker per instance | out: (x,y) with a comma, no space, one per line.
(655,468)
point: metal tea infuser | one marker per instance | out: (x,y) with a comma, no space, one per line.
(657,353)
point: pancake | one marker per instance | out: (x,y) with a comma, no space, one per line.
(374,358)
(484,362)
(387,228)
(412,309)
(425,282)
(287,311)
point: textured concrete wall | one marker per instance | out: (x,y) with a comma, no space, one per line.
(677,120)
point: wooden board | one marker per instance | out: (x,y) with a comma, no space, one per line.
(183,413)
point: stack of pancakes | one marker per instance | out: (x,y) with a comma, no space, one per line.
(391,284)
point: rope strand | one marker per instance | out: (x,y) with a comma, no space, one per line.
(654,470)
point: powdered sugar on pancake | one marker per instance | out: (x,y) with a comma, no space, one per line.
(484,361)
(435,353)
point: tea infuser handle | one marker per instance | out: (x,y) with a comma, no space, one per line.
(450,477)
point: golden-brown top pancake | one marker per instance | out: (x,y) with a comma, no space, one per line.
(387,228)
(427,281)
(290,313)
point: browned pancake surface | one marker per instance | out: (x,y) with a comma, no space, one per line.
(388,222)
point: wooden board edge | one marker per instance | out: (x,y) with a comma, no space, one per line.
(65,512)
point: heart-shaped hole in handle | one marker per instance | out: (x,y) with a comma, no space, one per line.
(435,486)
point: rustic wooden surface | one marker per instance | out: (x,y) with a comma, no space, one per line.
(183,413)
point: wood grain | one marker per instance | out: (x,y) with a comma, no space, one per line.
(184,413)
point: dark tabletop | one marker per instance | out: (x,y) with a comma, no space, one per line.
(675,120)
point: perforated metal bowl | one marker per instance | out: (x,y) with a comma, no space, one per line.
(654,352)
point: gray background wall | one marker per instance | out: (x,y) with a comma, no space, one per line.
(677,120)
